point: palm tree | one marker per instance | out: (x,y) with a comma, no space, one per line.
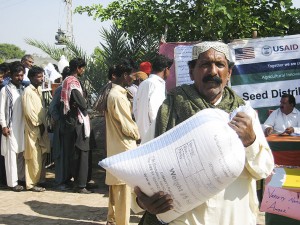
(117,45)
(71,50)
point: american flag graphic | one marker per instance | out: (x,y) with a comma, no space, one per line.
(244,53)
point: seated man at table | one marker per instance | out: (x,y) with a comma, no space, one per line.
(285,119)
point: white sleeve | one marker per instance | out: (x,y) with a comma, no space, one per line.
(297,128)
(259,157)
(134,109)
(141,106)
(157,97)
(2,107)
(150,134)
(270,122)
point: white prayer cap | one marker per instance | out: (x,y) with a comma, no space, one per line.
(206,45)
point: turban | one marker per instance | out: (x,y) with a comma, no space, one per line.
(139,75)
(205,46)
(146,67)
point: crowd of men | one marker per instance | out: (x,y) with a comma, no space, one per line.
(23,118)
(137,108)
(23,127)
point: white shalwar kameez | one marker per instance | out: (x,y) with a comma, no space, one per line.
(12,147)
(150,95)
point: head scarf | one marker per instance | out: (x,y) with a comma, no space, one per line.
(184,101)
(206,45)
(69,84)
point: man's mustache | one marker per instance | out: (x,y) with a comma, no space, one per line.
(215,79)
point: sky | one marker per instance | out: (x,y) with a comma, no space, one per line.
(41,19)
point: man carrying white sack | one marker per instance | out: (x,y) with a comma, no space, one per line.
(210,69)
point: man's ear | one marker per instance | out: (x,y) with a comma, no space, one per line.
(165,71)
(191,74)
(229,74)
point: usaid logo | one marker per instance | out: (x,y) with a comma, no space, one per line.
(285,48)
(266,50)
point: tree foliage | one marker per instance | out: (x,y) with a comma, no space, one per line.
(10,51)
(193,20)
(117,45)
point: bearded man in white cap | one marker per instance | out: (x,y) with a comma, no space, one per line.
(210,69)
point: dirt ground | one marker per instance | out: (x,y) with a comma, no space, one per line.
(57,207)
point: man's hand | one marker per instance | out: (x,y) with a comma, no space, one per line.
(156,204)
(268,131)
(289,130)
(5,131)
(242,124)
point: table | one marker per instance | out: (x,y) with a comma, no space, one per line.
(286,151)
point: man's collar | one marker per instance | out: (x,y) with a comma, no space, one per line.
(10,84)
(157,77)
(294,110)
(119,87)
(33,87)
(219,100)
